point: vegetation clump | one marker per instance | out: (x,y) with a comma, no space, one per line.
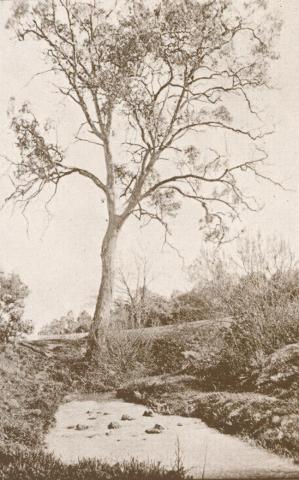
(36,465)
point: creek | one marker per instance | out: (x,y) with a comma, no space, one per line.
(81,430)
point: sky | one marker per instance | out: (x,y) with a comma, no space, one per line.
(58,257)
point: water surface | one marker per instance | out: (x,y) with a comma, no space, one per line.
(202,450)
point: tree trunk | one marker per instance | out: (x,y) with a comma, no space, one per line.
(101,319)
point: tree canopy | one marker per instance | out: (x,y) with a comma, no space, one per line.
(164,92)
(166,75)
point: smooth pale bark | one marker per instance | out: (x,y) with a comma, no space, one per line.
(102,313)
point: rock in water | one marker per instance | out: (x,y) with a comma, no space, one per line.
(113,425)
(81,427)
(159,427)
(153,430)
(148,413)
(127,417)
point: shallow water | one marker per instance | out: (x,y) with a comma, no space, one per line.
(202,449)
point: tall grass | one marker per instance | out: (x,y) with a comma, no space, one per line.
(36,465)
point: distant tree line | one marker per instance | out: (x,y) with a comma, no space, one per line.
(68,323)
(144,309)
(257,286)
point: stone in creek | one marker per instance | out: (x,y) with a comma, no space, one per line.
(92,418)
(106,413)
(159,427)
(148,413)
(81,427)
(113,425)
(108,433)
(127,417)
(71,426)
(179,424)
(153,430)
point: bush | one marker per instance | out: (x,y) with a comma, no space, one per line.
(263,301)
(166,353)
(135,353)
(12,295)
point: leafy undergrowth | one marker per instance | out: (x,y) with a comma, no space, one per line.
(34,381)
(32,384)
(36,465)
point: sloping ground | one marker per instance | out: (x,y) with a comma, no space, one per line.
(270,417)
(152,332)
(35,376)
(280,373)
(271,422)
(32,385)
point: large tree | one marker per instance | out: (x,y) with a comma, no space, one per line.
(156,87)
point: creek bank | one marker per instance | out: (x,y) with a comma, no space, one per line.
(271,422)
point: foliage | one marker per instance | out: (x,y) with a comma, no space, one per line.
(263,300)
(163,73)
(138,307)
(166,353)
(190,306)
(12,295)
(68,324)
(142,309)
(153,81)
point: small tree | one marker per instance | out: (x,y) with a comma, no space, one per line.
(12,295)
(68,324)
(133,289)
(149,83)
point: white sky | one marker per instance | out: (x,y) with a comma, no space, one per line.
(60,261)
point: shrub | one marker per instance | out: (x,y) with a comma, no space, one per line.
(12,295)
(263,300)
(166,353)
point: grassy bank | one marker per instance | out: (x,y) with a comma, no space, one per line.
(164,371)
(33,382)
(36,465)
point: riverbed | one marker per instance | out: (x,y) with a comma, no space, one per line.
(81,430)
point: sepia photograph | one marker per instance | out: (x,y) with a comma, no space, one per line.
(149,239)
